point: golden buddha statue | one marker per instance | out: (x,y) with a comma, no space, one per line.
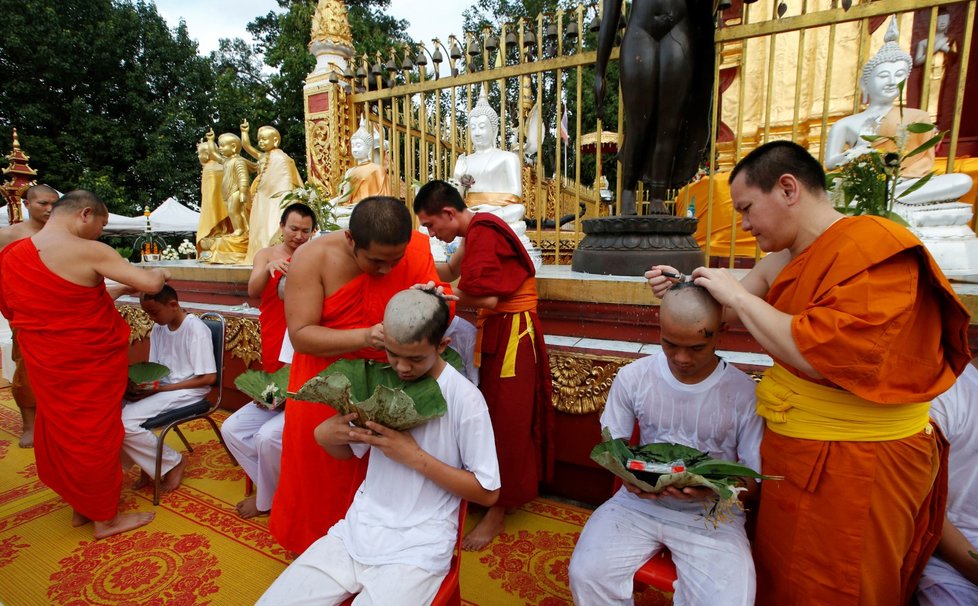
(276,174)
(214,220)
(231,249)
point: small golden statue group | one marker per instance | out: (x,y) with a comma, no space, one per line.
(238,216)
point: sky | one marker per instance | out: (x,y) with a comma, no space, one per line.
(210,20)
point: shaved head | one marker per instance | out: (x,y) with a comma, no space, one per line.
(415,315)
(40,189)
(686,304)
(79,199)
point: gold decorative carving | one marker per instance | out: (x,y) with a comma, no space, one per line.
(330,24)
(242,335)
(138,320)
(581,381)
(243,339)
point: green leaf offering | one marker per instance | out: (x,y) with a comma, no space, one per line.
(653,467)
(375,392)
(143,373)
(268,390)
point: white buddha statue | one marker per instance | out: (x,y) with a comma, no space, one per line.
(496,178)
(365,179)
(932,211)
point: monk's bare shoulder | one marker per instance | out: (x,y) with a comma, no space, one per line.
(9,235)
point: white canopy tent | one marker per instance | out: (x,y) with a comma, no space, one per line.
(169,217)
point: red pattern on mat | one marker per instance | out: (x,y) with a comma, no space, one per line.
(210,461)
(533,565)
(141,567)
(9,548)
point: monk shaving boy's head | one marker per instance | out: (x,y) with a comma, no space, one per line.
(439,206)
(763,167)
(379,233)
(163,307)
(415,322)
(690,320)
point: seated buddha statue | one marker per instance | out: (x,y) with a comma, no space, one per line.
(933,205)
(493,174)
(365,179)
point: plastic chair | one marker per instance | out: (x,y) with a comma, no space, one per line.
(172,419)
(658,572)
(450,592)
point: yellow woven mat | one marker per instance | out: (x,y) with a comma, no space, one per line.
(198,551)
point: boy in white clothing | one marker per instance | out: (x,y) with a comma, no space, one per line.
(951,576)
(182,343)
(395,544)
(686,395)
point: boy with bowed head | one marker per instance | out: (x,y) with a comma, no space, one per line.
(686,395)
(338,288)
(395,544)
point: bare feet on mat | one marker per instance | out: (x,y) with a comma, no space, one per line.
(171,481)
(27,438)
(78,519)
(122,522)
(144,480)
(248,508)
(488,528)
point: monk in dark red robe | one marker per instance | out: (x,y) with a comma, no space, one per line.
(75,346)
(337,290)
(864,330)
(496,276)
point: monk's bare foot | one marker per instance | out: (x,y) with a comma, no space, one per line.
(171,481)
(486,530)
(78,519)
(122,522)
(248,508)
(144,480)
(27,438)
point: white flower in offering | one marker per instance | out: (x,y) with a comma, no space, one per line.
(169,254)
(187,248)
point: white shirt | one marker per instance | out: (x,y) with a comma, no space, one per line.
(717,416)
(401,517)
(956,412)
(463,335)
(187,351)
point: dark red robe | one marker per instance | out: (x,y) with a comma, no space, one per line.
(517,387)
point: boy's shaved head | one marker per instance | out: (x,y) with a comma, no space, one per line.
(415,315)
(686,304)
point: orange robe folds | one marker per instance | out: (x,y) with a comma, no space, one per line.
(514,372)
(853,522)
(314,489)
(272,322)
(75,346)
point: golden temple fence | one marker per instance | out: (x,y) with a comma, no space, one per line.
(785,69)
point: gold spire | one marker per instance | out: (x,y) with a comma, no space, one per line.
(330,23)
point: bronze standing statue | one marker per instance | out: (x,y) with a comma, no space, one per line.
(666,65)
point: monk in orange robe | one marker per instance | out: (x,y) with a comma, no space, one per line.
(75,346)
(40,199)
(496,275)
(335,297)
(865,331)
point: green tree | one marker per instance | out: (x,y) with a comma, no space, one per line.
(104,95)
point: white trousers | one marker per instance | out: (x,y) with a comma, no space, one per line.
(325,574)
(139,445)
(254,436)
(942,585)
(713,566)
